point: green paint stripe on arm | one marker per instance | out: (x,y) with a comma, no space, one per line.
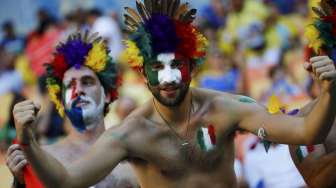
(200,139)
(245,99)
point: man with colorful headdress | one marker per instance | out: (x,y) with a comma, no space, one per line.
(82,81)
(317,163)
(182,137)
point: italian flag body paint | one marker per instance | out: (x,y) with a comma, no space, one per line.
(206,138)
(152,76)
(303,151)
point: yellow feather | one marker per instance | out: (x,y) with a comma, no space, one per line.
(97,57)
(312,35)
(53,91)
(132,54)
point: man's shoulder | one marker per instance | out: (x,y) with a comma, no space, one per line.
(219,98)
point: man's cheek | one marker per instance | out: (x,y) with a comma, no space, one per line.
(152,76)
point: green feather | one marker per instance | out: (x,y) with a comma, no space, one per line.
(143,42)
(326,35)
(108,77)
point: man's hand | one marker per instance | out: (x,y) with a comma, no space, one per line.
(323,69)
(15,161)
(24,114)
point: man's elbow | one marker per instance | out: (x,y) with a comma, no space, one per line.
(313,139)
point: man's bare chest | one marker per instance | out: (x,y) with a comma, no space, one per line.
(200,151)
(330,142)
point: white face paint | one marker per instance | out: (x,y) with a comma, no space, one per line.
(93,112)
(168,74)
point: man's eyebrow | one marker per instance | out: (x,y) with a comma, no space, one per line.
(88,77)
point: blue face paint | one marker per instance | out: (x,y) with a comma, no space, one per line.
(75,115)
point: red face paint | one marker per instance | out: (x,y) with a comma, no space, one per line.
(73,89)
(184,68)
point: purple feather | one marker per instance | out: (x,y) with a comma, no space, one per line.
(163,35)
(74,52)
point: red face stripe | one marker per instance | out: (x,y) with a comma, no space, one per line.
(184,68)
(73,91)
(212,134)
(185,72)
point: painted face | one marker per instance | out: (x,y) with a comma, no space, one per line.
(167,70)
(83,98)
(168,79)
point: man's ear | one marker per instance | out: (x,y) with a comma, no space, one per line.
(143,75)
(108,97)
(193,69)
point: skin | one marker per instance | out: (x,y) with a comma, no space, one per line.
(318,167)
(156,151)
(76,144)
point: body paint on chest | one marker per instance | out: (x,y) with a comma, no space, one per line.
(303,151)
(206,138)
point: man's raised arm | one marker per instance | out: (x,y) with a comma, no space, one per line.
(311,129)
(106,153)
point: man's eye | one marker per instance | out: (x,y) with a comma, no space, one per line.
(176,64)
(157,67)
(70,84)
(88,82)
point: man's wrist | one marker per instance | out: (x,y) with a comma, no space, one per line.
(18,184)
(331,88)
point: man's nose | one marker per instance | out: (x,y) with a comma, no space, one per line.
(167,76)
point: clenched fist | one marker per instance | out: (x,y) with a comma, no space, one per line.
(24,114)
(15,161)
(323,69)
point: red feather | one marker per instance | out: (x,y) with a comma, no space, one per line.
(59,65)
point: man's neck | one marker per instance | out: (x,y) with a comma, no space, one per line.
(88,136)
(175,114)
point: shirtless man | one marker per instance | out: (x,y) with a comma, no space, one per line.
(182,137)
(317,163)
(83,92)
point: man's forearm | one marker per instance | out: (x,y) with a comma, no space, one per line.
(308,108)
(321,118)
(48,169)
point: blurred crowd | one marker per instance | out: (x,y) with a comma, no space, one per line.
(256,49)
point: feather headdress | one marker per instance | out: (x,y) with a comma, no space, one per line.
(321,33)
(162,26)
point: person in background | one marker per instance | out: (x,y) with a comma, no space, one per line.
(83,71)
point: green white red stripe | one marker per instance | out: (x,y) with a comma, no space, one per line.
(303,151)
(206,138)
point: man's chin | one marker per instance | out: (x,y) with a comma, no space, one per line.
(170,99)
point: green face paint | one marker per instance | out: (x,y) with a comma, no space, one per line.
(245,99)
(152,76)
